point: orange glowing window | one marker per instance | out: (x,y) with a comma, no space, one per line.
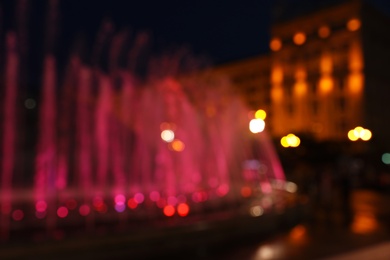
(326,64)
(326,85)
(324,32)
(299,38)
(275,44)
(353,24)
(355,83)
(277,75)
(277,93)
(300,89)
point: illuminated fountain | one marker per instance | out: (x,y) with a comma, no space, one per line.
(115,147)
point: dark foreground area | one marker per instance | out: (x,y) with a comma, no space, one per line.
(306,230)
(361,231)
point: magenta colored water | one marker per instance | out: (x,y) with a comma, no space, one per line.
(114,144)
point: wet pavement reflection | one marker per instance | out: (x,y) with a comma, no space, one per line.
(335,232)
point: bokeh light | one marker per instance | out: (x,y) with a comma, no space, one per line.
(41,206)
(299,38)
(62,212)
(177,145)
(167,135)
(84,210)
(352,136)
(17,215)
(290,140)
(353,24)
(256,125)
(154,196)
(139,197)
(291,187)
(260,114)
(131,203)
(256,211)
(275,44)
(120,207)
(386,158)
(169,210)
(183,209)
(359,133)
(120,199)
(324,31)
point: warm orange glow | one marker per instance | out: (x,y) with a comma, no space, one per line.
(324,31)
(275,44)
(355,58)
(260,114)
(183,209)
(300,89)
(298,233)
(300,74)
(364,223)
(355,83)
(177,145)
(169,210)
(277,93)
(299,38)
(326,85)
(353,24)
(277,75)
(326,64)
(246,191)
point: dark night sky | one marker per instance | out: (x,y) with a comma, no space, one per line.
(221,30)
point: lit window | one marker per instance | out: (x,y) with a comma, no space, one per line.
(299,38)
(353,24)
(324,32)
(275,44)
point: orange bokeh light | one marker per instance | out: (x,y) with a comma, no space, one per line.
(299,38)
(326,85)
(275,44)
(353,24)
(324,31)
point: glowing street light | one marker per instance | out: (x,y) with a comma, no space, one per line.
(359,133)
(260,114)
(167,135)
(256,125)
(290,140)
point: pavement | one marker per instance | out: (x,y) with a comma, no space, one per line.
(360,230)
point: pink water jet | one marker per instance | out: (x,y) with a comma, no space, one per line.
(100,151)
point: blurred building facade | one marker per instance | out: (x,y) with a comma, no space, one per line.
(326,74)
